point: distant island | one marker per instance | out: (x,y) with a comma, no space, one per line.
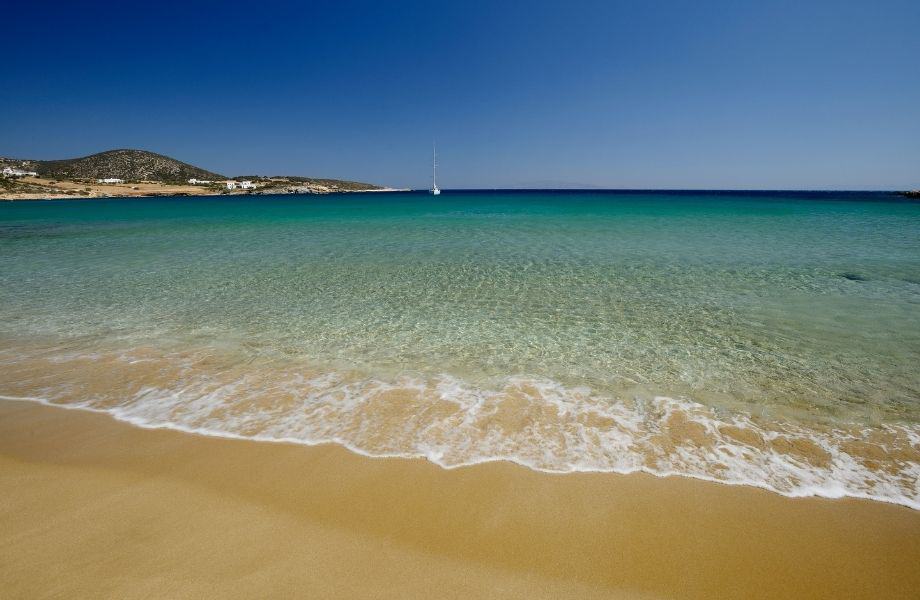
(126,172)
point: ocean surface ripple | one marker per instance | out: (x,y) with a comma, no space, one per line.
(763,340)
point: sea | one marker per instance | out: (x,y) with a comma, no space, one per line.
(767,339)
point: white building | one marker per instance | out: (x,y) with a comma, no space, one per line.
(194,181)
(11,172)
(243,185)
(110,180)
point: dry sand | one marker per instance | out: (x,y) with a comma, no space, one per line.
(94,508)
(63,189)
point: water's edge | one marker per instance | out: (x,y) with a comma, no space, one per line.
(141,423)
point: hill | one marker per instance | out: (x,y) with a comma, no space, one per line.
(147,174)
(290,184)
(130,165)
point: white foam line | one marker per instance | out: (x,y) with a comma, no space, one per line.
(836,494)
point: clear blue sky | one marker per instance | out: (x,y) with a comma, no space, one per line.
(803,95)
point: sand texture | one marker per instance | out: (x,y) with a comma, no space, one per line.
(94,508)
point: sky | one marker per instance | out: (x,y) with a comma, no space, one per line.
(614,94)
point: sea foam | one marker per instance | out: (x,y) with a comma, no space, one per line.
(535,422)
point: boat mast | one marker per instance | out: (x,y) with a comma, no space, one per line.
(434,166)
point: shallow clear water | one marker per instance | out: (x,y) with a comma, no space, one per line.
(766,339)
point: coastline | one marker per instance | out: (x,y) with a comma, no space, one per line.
(157,190)
(95,507)
(124,192)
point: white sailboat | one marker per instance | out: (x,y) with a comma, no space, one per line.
(434,171)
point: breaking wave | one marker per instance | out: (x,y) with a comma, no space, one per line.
(535,422)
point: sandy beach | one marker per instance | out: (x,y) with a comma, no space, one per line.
(92,507)
(635,314)
(65,189)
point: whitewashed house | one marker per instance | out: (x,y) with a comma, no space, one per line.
(110,180)
(242,185)
(11,172)
(194,181)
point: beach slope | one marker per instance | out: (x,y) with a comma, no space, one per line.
(90,507)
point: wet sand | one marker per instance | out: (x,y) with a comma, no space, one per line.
(90,508)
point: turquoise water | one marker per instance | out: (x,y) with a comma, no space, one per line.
(564,331)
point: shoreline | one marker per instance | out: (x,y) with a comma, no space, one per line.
(816,493)
(197,191)
(48,188)
(181,194)
(95,506)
